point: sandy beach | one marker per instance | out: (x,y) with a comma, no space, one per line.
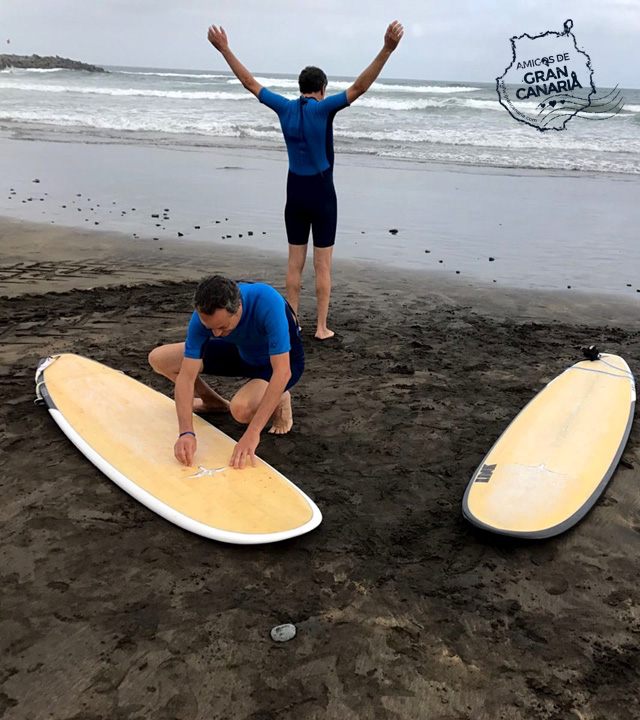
(483,243)
(403,610)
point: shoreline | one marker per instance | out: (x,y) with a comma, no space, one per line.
(112,259)
(34,132)
(519,229)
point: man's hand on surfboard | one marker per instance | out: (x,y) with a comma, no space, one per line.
(218,38)
(245,449)
(185,449)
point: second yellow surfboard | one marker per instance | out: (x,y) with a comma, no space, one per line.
(550,465)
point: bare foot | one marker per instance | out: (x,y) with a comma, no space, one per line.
(282,418)
(213,406)
(324,334)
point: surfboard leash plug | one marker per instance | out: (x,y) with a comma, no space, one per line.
(591,352)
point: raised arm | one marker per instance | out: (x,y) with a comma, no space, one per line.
(218,38)
(366,78)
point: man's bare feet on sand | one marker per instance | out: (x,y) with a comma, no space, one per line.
(324,334)
(282,418)
(211,406)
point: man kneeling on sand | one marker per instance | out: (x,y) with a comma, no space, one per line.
(237,330)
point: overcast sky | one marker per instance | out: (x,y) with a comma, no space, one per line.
(450,40)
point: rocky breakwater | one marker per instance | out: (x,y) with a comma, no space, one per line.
(45,63)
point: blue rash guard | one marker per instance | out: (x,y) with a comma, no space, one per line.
(307,126)
(267,327)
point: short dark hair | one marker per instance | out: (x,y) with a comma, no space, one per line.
(312,79)
(217,292)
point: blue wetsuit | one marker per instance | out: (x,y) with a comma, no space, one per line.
(307,126)
(267,327)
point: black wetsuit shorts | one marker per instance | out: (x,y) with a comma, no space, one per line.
(311,205)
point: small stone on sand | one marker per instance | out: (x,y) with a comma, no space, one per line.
(283,633)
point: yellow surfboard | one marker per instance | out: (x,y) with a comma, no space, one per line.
(128,431)
(551,464)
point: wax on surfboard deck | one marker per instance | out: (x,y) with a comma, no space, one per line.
(553,461)
(128,431)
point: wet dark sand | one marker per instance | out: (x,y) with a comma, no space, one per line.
(403,610)
(569,231)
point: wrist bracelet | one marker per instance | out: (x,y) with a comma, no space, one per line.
(187,432)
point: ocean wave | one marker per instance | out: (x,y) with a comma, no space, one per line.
(351,131)
(410,89)
(418,120)
(449,103)
(426,89)
(127,92)
(270,82)
(19,71)
(169,74)
(160,123)
(376,87)
(438,146)
(381,103)
(518,140)
(526,161)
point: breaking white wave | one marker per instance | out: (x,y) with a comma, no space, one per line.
(416,120)
(338,85)
(16,71)
(427,103)
(170,74)
(126,92)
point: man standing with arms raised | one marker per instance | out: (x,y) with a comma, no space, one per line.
(311,197)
